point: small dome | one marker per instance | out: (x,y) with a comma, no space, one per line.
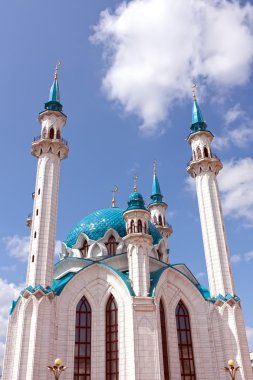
(136,201)
(96,224)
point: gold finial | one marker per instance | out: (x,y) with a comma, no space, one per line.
(135,183)
(115,189)
(56,70)
(194,91)
(154,166)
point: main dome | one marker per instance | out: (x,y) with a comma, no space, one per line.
(96,224)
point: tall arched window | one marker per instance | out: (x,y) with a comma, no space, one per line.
(85,248)
(205,152)
(198,153)
(82,369)
(132,227)
(112,353)
(111,246)
(58,134)
(160,221)
(51,133)
(164,343)
(185,343)
(155,219)
(139,226)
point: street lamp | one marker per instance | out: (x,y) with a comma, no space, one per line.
(231,369)
(57,369)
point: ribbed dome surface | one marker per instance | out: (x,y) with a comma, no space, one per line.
(96,224)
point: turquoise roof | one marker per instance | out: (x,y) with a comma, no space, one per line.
(156,196)
(54,97)
(198,123)
(96,224)
(136,201)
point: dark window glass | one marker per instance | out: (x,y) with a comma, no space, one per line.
(160,221)
(82,367)
(164,343)
(185,343)
(111,246)
(51,133)
(139,226)
(205,152)
(84,249)
(58,135)
(132,227)
(112,354)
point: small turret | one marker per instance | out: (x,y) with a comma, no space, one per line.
(158,208)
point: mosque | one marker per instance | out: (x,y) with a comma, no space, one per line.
(114,307)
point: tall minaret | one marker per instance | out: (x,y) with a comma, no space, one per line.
(204,167)
(158,208)
(139,243)
(50,149)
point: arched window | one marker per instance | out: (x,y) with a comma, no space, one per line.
(139,226)
(82,369)
(84,249)
(164,343)
(51,133)
(198,153)
(155,219)
(111,246)
(58,134)
(206,152)
(185,343)
(160,221)
(132,227)
(112,353)
(44,133)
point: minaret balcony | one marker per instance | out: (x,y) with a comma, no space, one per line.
(204,164)
(29,220)
(42,144)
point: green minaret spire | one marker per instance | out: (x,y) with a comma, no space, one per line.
(53,103)
(156,196)
(198,123)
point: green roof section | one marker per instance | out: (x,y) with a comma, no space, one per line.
(198,123)
(156,195)
(53,102)
(136,202)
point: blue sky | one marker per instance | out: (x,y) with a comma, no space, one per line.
(126,89)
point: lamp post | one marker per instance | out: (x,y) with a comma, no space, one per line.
(57,369)
(232,369)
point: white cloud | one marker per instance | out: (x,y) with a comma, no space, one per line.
(155,47)
(241,136)
(233,114)
(18,246)
(249,331)
(236,259)
(200,274)
(248,256)
(236,184)
(8,292)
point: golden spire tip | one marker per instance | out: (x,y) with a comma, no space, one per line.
(56,70)
(194,91)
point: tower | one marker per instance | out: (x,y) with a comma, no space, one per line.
(157,208)
(204,167)
(138,242)
(50,148)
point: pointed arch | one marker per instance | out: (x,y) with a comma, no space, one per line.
(199,156)
(139,226)
(82,368)
(206,154)
(155,219)
(164,342)
(84,249)
(51,133)
(58,134)
(185,342)
(132,227)
(160,221)
(112,353)
(111,245)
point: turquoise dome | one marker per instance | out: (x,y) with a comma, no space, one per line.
(136,201)
(96,224)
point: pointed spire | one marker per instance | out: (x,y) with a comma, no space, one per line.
(54,94)
(115,189)
(135,183)
(198,123)
(156,191)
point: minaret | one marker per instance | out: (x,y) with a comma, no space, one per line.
(139,242)
(158,208)
(204,167)
(50,149)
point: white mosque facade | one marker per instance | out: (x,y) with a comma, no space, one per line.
(114,307)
